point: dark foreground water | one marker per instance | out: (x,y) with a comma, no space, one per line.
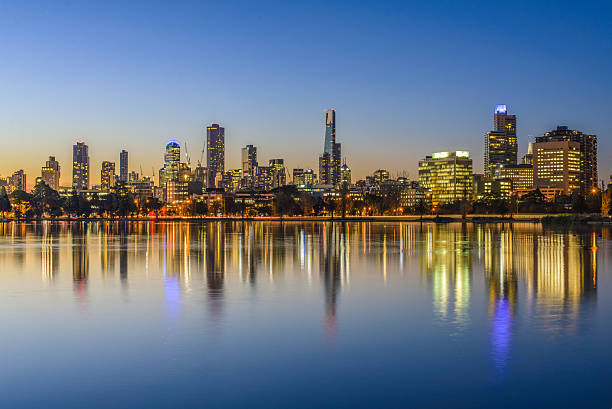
(304,315)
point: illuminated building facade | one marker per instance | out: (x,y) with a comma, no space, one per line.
(176,191)
(141,188)
(17,181)
(215,153)
(329,161)
(501,143)
(107,176)
(123,166)
(80,166)
(588,153)
(556,165)
(172,163)
(249,165)
(448,175)
(520,175)
(345,175)
(264,178)
(410,196)
(50,173)
(380,176)
(279,174)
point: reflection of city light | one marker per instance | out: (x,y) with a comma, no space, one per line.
(501,333)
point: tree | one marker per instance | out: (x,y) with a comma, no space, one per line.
(46,200)
(5,203)
(200,208)
(284,204)
(421,208)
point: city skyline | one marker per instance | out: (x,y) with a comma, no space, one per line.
(96,168)
(423,92)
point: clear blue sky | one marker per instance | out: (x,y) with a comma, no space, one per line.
(406,79)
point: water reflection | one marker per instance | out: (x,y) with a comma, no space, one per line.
(521,270)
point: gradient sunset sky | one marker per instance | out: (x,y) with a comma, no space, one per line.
(406,79)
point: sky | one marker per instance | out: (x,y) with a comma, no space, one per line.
(406,79)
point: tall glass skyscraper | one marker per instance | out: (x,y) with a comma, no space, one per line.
(329,161)
(215,152)
(80,166)
(172,162)
(501,146)
(123,166)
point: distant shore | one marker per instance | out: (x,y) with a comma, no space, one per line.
(561,219)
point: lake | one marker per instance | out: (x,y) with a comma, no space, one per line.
(304,315)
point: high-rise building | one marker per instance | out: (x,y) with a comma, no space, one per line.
(50,173)
(249,165)
(448,175)
(172,163)
(588,153)
(249,159)
(279,176)
(325,169)
(215,153)
(80,166)
(107,176)
(556,166)
(17,181)
(123,166)
(381,175)
(345,175)
(501,143)
(520,175)
(298,177)
(265,177)
(332,152)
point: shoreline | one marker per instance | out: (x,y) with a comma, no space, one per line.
(474,219)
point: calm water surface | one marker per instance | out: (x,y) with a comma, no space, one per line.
(304,315)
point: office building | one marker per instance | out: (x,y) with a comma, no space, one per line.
(123,166)
(215,153)
(556,166)
(50,173)
(279,174)
(264,178)
(172,162)
(249,165)
(17,181)
(520,175)
(107,176)
(501,143)
(380,176)
(329,161)
(80,166)
(448,175)
(588,153)
(345,175)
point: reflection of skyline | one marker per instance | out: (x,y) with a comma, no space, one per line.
(522,266)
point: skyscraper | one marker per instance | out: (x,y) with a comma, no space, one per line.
(345,175)
(249,165)
(107,176)
(588,153)
(501,142)
(215,152)
(556,166)
(123,166)
(329,174)
(172,162)
(80,166)
(50,173)
(279,173)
